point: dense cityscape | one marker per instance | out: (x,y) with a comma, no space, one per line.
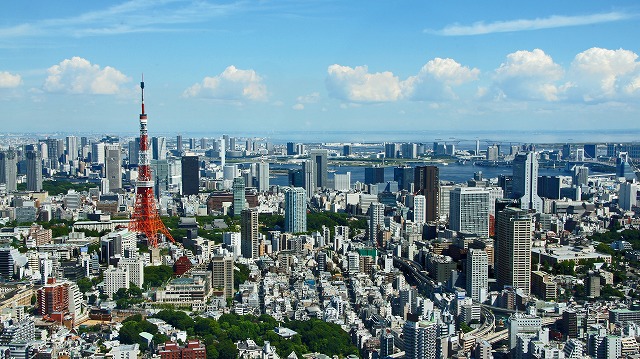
(156,247)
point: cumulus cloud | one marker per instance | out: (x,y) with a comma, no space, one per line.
(434,81)
(529,75)
(436,78)
(232,84)
(306,99)
(9,80)
(79,76)
(298,106)
(358,85)
(600,74)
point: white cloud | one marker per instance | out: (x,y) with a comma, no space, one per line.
(600,74)
(298,106)
(528,75)
(436,78)
(9,80)
(79,76)
(434,81)
(232,84)
(358,85)
(555,21)
(310,98)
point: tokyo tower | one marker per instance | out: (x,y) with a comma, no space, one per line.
(145,219)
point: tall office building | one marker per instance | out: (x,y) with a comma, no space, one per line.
(34,171)
(114,279)
(525,181)
(222,275)
(409,150)
(135,267)
(426,181)
(291,148)
(373,175)
(239,200)
(419,339)
(469,210)
(190,175)
(376,220)
(309,177)
(7,262)
(319,159)
(514,231)
(549,187)
(160,172)
(404,177)
(580,175)
(249,239)
(113,166)
(72,147)
(627,195)
(97,152)
(342,182)
(390,150)
(9,170)
(477,276)
(386,343)
(179,144)
(263,176)
(134,151)
(159,148)
(295,210)
(419,210)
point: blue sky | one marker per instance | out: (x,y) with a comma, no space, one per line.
(261,66)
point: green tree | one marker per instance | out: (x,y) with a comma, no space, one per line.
(84,284)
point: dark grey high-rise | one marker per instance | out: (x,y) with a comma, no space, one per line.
(426,181)
(9,170)
(319,159)
(34,171)
(373,175)
(404,177)
(190,175)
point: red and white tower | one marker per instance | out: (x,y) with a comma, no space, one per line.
(145,219)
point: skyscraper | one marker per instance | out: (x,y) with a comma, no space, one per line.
(238,188)
(426,181)
(113,166)
(390,150)
(309,177)
(419,210)
(34,171)
(376,220)
(249,233)
(72,147)
(404,177)
(513,246)
(525,181)
(580,175)
(477,274)
(627,195)
(469,210)
(319,159)
(159,148)
(419,338)
(549,187)
(179,144)
(134,151)
(373,175)
(263,176)
(9,170)
(190,175)
(295,210)
(222,275)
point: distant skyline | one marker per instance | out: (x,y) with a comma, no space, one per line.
(272,66)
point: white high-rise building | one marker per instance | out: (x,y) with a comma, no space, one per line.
(477,274)
(419,209)
(135,267)
(342,182)
(469,210)
(420,339)
(514,231)
(97,152)
(295,210)
(627,195)
(525,181)
(263,176)
(114,279)
(72,147)
(376,220)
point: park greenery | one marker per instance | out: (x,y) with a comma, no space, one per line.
(156,276)
(61,187)
(219,336)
